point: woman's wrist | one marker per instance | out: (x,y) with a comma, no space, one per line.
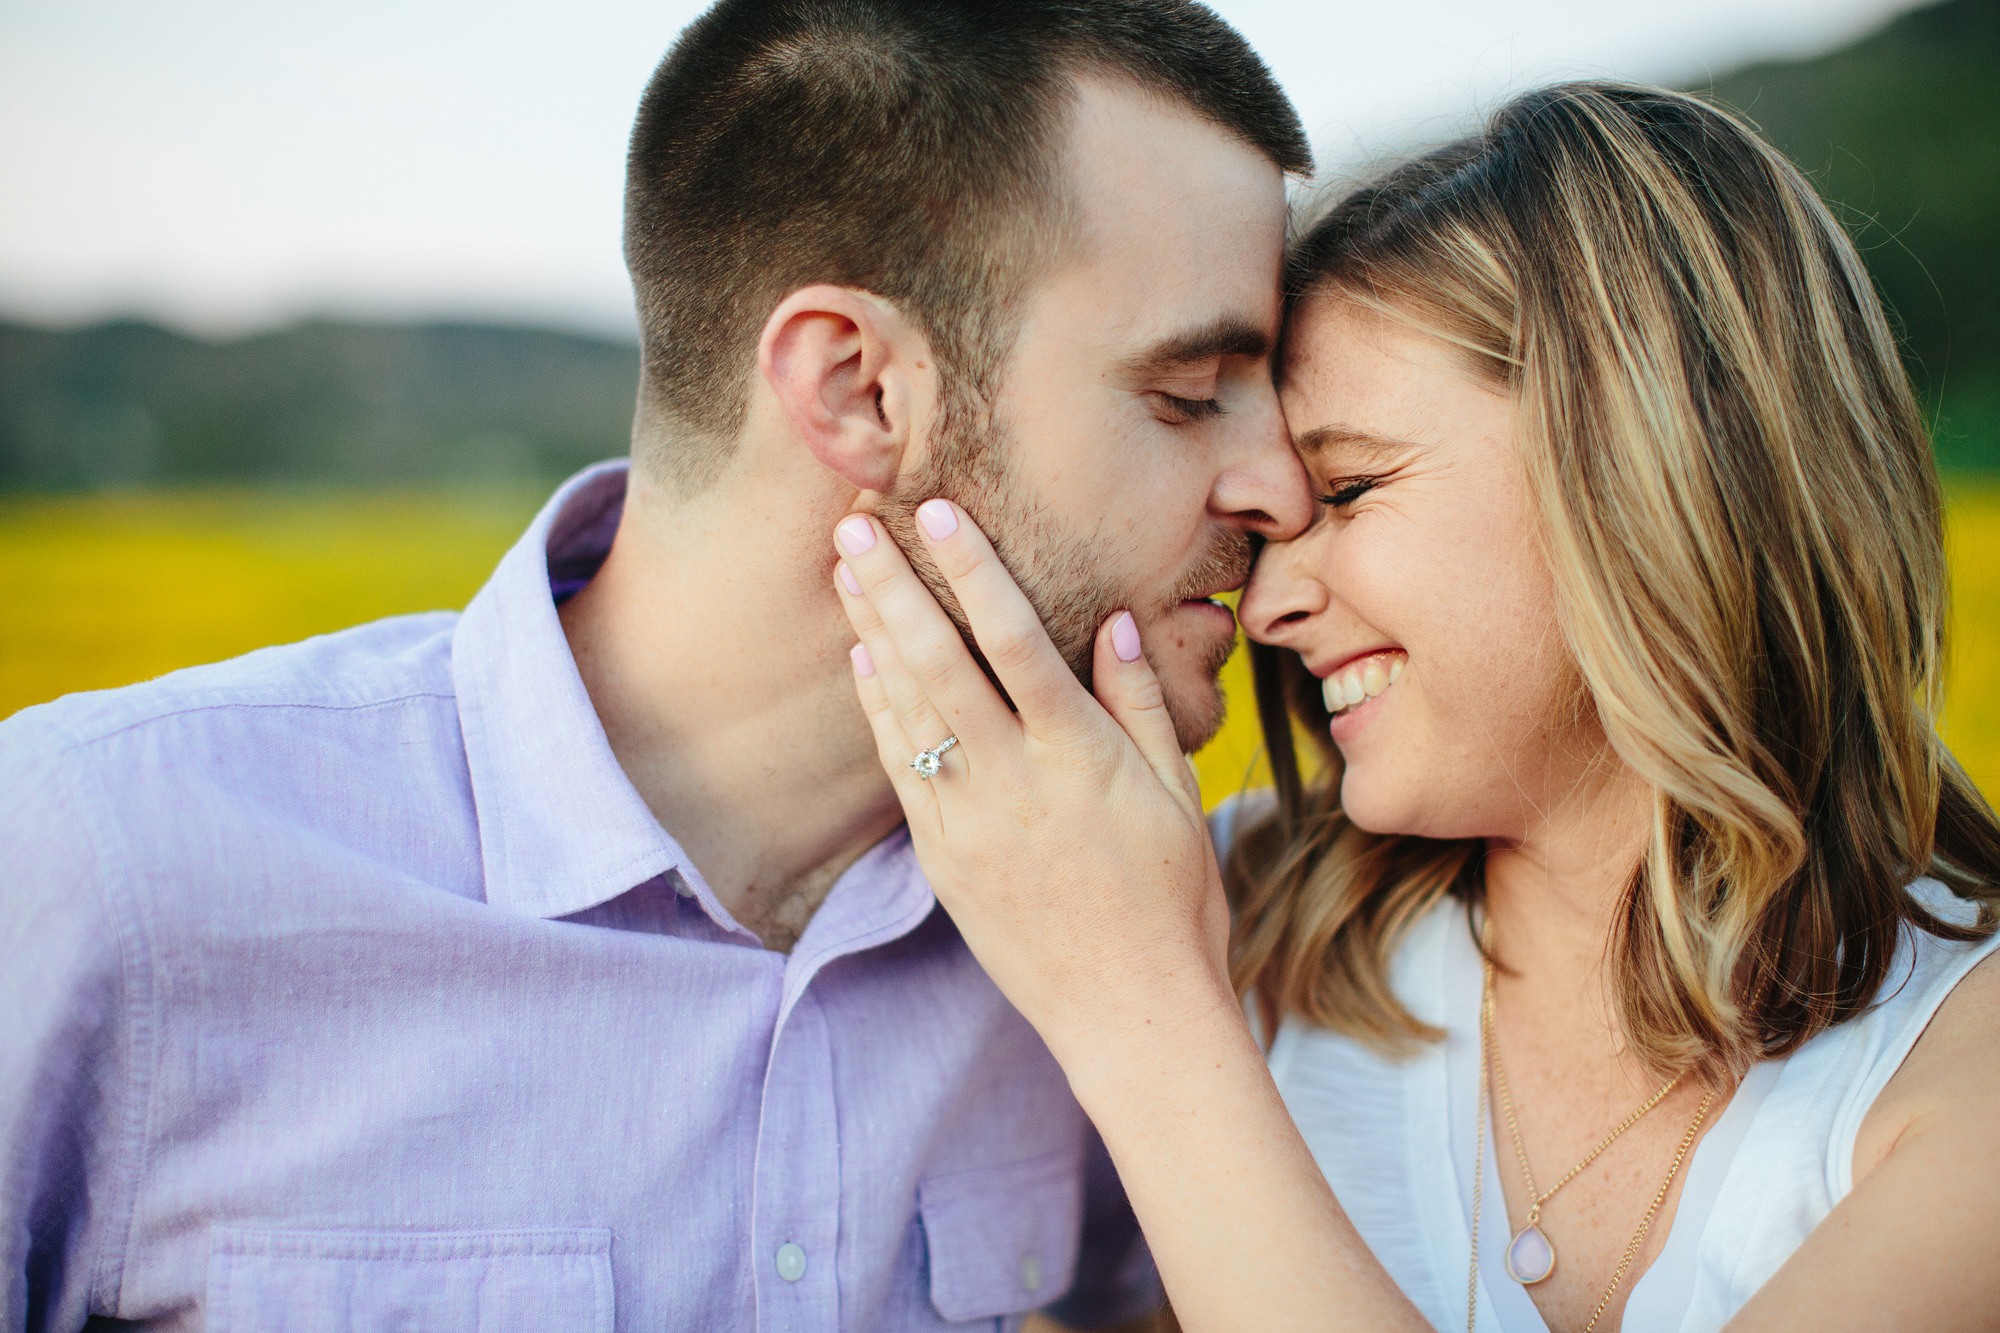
(1132,1034)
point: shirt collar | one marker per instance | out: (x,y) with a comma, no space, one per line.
(561,828)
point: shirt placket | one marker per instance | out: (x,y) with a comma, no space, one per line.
(795,1222)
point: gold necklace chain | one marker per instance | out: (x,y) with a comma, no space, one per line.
(1535,1201)
(1488,1063)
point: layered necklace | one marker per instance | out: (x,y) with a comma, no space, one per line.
(1531,1256)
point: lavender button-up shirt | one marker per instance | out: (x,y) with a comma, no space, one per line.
(350,986)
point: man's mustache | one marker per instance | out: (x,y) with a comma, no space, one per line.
(1226,564)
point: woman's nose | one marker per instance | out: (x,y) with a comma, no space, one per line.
(1281,595)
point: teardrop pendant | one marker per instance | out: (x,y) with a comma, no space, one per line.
(1530,1256)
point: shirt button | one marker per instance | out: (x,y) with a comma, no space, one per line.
(1031,1273)
(792,1262)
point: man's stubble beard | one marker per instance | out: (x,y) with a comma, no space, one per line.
(1056,569)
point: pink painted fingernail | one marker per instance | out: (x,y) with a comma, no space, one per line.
(863,664)
(849,582)
(1125,637)
(856,534)
(938,518)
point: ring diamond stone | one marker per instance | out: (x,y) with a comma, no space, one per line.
(928,762)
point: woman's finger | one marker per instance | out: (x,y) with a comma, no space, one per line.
(923,660)
(911,708)
(892,744)
(1053,706)
(1131,693)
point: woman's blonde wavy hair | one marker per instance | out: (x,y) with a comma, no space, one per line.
(1739,505)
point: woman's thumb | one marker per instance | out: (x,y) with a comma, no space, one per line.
(1131,693)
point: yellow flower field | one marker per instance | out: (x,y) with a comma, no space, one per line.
(103,590)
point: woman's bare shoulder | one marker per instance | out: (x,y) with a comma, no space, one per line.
(1949,1084)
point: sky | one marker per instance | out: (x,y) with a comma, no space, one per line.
(228,165)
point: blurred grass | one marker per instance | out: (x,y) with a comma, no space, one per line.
(1971,722)
(103,590)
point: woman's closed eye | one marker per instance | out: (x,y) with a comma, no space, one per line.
(1345,491)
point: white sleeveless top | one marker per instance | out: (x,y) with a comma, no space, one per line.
(1395,1138)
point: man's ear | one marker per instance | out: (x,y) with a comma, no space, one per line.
(853,377)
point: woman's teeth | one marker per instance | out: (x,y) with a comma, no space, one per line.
(1362,682)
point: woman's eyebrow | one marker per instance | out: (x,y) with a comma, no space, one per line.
(1320,439)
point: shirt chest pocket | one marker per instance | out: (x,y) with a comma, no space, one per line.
(556,1281)
(1002,1240)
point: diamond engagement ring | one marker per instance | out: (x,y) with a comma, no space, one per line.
(928,762)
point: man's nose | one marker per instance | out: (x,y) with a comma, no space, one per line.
(1265,489)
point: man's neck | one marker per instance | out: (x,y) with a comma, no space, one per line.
(716,657)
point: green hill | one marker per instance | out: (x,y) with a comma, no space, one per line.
(130,403)
(1901,132)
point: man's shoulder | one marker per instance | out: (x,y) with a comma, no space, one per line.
(366,666)
(303,725)
(264,770)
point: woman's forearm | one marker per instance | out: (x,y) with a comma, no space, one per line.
(1242,1224)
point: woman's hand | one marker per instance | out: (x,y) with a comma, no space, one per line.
(1068,844)
(1067,841)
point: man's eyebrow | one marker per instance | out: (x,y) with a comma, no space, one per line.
(1322,438)
(1223,337)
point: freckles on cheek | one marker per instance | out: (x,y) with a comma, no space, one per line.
(1502,663)
(1440,596)
(1403,588)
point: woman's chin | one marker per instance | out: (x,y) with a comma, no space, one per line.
(1377,806)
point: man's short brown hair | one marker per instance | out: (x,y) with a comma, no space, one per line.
(905,147)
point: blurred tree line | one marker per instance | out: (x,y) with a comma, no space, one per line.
(1900,130)
(1901,133)
(128,402)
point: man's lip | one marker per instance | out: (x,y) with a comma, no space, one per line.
(1336,664)
(1206,604)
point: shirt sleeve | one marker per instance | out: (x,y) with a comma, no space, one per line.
(1115,1279)
(64,1043)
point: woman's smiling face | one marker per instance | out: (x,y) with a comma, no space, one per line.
(1420,594)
